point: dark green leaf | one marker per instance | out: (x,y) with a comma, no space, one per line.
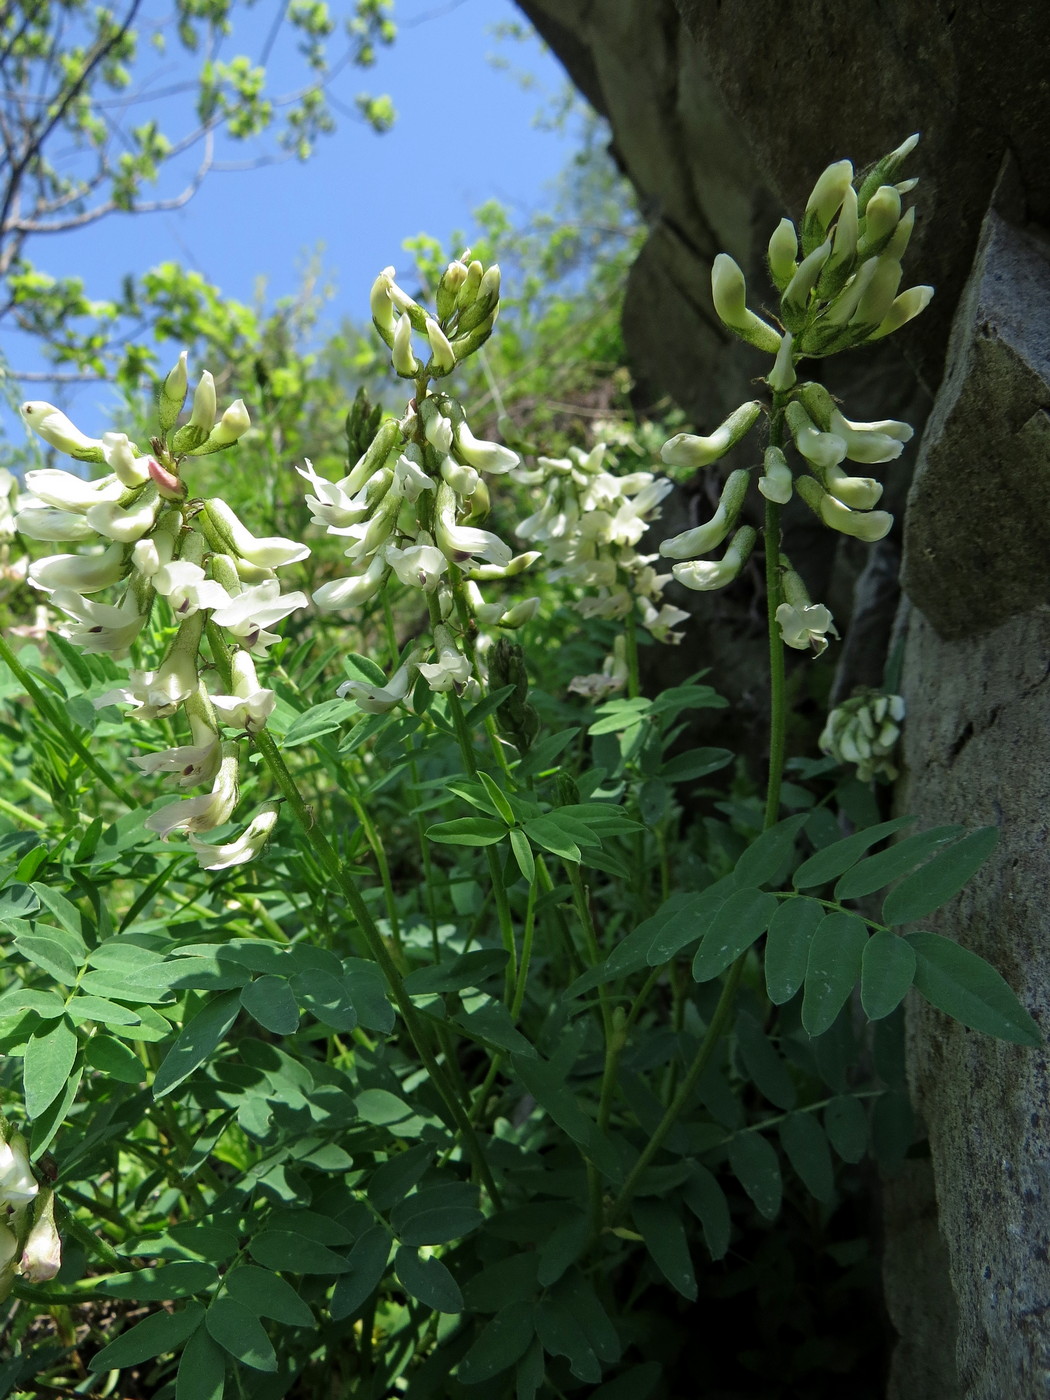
(880,870)
(106,1013)
(237,1329)
(828,864)
(468,831)
(428,1280)
(519,844)
(492,1022)
(706,1199)
(833,968)
(19,999)
(887,970)
(202,1369)
(437,1215)
(268,1295)
(510,1280)
(49,1057)
(196,1041)
(531,1371)
(766,857)
(471,969)
(180,1279)
(806,1149)
(368,993)
(639,1383)
(561,1249)
(324,997)
(742,919)
(892,1129)
(788,941)
(660,1226)
(765,1066)
(49,954)
(561,1335)
(366,1266)
(553,835)
(295,1253)
(544,1083)
(18,901)
(939,879)
(318,720)
(104,1053)
(965,987)
(756,1166)
(695,763)
(271,1002)
(154,1336)
(846,1125)
(500,1344)
(679,921)
(392,1181)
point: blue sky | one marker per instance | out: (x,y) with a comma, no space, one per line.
(466,132)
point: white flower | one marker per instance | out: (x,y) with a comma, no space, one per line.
(206,812)
(660,623)
(84,573)
(122,457)
(438,430)
(245,848)
(56,429)
(41,522)
(251,611)
(355,588)
(705,576)
(871,442)
(704,538)
(689,450)
(729,293)
(250,705)
(269,552)
(157,694)
(42,1252)
(491,457)
(410,480)
(66,491)
(418,565)
(806,626)
(187,589)
(116,523)
(17,1183)
(452,669)
(377,700)
(459,543)
(98,627)
(331,506)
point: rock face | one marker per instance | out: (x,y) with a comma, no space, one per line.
(721,115)
(977,679)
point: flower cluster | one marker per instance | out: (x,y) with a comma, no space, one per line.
(838,279)
(590,525)
(864,731)
(411,506)
(29,1242)
(141,535)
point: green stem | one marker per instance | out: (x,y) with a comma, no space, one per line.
(414,1024)
(57,719)
(631,643)
(16,814)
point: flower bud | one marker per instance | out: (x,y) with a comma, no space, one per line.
(783,254)
(172,394)
(484,456)
(520,613)
(403,360)
(794,304)
(776,481)
(169,486)
(442,357)
(55,428)
(688,450)
(381,306)
(17,1183)
(357,588)
(866,442)
(868,526)
(781,378)
(469,290)
(124,525)
(818,403)
(232,426)
(42,1252)
(704,538)
(245,848)
(204,404)
(874,306)
(702,577)
(823,449)
(729,293)
(847,301)
(824,203)
(857,492)
(452,280)
(884,171)
(904,309)
(124,459)
(461,478)
(83,573)
(880,220)
(898,244)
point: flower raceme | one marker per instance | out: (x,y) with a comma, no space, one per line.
(147,549)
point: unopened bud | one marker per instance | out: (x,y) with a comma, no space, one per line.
(204,404)
(233,424)
(704,538)
(868,526)
(884,172)
(382,307)
(824,203)
(794,304)
(776,480)
(729,293)
(42,1252)
(172,394)
(783,254)
(168,485)
(781,378)
(442,357)
(403,360)
(904,309)
(880,220)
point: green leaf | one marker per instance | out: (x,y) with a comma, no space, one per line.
(18,901)
(887,971)
(519,844)
(49,1057)
(471,969)
(468,831)
(756,1166)
(366,1266)
(833,968)
(766,857)
(202,1369)
(828,864)
(392,1181)
(530,1373)
(501,1343)
(180,1279)
(706,1199)
(295,1253)
(561,1249)
(47,1004)
(68,915)
(50,955)
(680,920)
(742,919)
(965,987)
(323,996)
(553,835)
(271,1002)
(154,1336)
(882,869)
(846,1125)
(767,1069)
(196,1041)
(368,993)
(561,1335)
(428,1280)
(316,721)
(114,1059)
(788,941)
(892,1129)
(106,1013)
(267,1295)
(498,798)
(660,1226)
(543,1081)
(238,1331)
(939,879)
(806,1149)
(695,763)
(437,1215)
(46,1127)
